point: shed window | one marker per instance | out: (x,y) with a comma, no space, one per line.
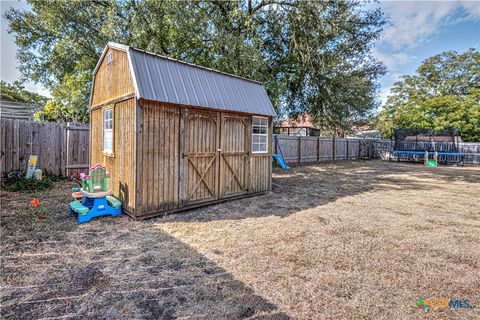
(260,135)
(108,131)
(109,58)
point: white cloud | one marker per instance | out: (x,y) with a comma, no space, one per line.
(472,8)
(415,21)
(394,59)
(414,24)
(383,95)
(395,76)
(391,78)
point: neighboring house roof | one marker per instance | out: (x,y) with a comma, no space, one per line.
(303,120)
(164,79)
(17,110)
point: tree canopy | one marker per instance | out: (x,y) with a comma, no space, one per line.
(444,92)
(312,56)
(16,92)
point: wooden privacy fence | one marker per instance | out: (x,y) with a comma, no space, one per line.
(61,148)
(316,149)
(471,150)
(382,148)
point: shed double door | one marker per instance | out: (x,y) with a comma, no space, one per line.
(215,156)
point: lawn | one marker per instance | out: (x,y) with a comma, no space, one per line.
(351,240)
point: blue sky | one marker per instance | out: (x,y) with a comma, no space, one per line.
(419,30)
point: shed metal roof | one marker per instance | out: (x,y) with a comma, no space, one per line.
(164,79)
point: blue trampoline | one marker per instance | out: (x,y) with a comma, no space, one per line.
(416,144)
(453,154)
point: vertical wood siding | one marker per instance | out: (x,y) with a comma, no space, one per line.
(96,136)
(235,149)
(157,158)
(187,156)
(260,173)
(261,167)
(199,156)
(121,165)
(112,80)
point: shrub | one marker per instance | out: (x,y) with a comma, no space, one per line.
(15,181)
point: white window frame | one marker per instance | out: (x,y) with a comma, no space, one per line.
(109,57)
(107,130)
(259,134)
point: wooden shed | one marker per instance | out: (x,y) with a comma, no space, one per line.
(175,135)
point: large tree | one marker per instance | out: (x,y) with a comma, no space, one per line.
(313,56)
(444,92)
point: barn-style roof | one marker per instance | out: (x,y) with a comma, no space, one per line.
(164,79)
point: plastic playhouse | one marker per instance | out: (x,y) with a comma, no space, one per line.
(94,199)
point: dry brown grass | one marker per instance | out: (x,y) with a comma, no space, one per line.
(355,240)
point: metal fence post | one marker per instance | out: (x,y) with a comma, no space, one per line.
(333,148)
(299,149)
(348,156)
(359,147)
(318,149)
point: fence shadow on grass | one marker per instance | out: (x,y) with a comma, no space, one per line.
(313,185)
